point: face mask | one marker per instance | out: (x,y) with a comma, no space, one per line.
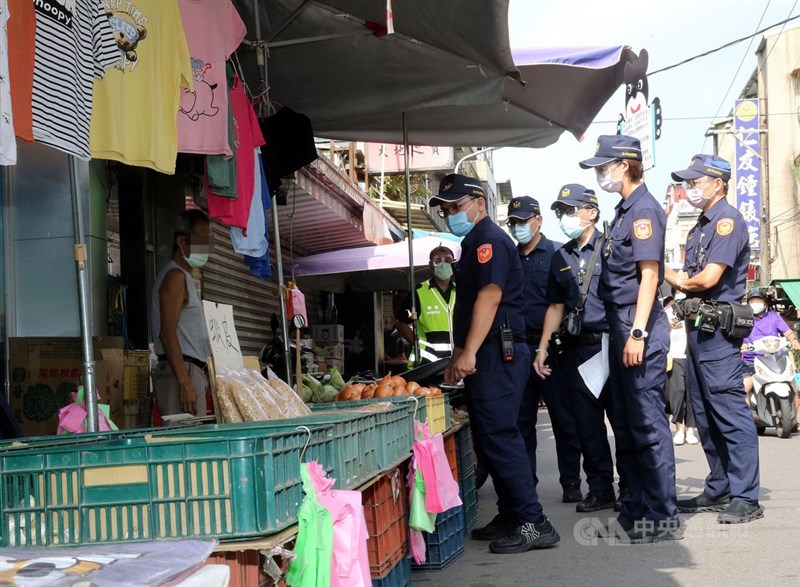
(696,198)
(443,271)
(758,308)
(572,226)
(459,224)
(199,257)
(607,184)
(523,233)
(196,260)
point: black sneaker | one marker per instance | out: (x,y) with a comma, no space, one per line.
(572,494)
(740,512)
(651,532)
(623,491)
(596,501)
(703,503)
(527,536)
(498,528)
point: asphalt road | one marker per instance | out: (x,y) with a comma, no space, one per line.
(766,551)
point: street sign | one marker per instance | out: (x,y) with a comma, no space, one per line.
(748,166)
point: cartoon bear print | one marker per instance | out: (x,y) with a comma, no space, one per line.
(127,32)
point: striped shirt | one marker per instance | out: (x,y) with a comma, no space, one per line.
(74,44)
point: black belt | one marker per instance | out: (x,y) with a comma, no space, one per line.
(495,339)
(533,336)
(187,359)
(589,338)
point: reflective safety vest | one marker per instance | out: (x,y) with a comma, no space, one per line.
(434,323)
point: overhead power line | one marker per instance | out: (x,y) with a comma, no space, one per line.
(721,47)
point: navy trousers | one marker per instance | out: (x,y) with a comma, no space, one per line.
(494,395)
(568,447)
(715,386)
(589,413)
(644,441)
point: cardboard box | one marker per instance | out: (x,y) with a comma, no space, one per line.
(328,333)
(44,371)
(333,350)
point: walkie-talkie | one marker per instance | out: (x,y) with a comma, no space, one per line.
(507,341)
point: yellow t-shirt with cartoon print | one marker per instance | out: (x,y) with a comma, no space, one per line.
(135,115)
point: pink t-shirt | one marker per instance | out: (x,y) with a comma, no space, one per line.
(213,31)
(248,138)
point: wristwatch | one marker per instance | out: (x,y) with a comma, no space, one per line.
(638,334)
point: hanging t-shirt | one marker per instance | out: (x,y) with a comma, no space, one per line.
(136,105)
(213,30)
(253,241)
(8,144)
(21,28)
(236,212)
(74,44)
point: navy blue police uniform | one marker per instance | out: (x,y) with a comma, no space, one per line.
(714,367)
(494,392)
(535,268)
(644,442)
(569,270)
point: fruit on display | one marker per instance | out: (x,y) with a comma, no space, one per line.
(388,386)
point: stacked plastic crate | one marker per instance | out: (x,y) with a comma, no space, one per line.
(467,475)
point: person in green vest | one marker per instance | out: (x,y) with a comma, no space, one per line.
(436,298)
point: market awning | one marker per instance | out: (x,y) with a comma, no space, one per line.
(791,287)
(383,267)
(326,211)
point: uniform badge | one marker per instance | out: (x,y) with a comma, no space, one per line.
(724,226)
(447,187)
(516,204)
(484,253)
(642,229)
(567,268)
(565,193)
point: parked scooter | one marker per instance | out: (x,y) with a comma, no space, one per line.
(772,397)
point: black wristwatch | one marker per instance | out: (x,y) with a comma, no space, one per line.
(638,334)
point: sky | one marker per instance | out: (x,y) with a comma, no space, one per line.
(691,95)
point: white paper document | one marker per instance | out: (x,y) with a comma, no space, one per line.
(595,371)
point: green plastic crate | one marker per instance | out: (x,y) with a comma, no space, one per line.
(356,457)
(159,487)
(394,427)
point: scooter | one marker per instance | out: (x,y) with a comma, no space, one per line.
(772,397)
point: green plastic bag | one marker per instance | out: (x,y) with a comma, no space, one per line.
(314,544)
(420,519)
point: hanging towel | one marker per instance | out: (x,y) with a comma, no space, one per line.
(253,242)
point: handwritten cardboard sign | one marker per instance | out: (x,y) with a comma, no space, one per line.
(222,333)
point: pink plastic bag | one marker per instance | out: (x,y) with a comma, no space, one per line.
(350,558)
(441,490)
(72,418)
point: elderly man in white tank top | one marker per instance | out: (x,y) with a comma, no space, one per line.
(181,340)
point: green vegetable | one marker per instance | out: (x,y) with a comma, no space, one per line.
(328,393)
(311,382)
(307,394)
(336,379)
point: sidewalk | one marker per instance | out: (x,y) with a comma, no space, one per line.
(761,552)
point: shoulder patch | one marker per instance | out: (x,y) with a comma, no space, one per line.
(642,229)
(724,226)
(484,253)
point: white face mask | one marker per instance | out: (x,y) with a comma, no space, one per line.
(758,307)
(606,183)
(573,226)
(696,198)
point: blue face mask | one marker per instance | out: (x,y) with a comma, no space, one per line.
(522,233)
(459,224)
(572,226)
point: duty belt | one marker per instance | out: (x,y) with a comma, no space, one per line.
(533,336)
(495,339)
(589,338)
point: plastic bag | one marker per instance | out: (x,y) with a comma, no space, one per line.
(72,417)
(441,490)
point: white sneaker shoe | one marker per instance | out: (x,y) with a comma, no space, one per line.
(679,438)
(691,438)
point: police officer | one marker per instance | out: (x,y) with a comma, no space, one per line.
(576,266)
(491,356)
(535,253)
(436,298)
(715,270)
(633,269)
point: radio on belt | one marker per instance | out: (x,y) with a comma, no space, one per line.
(507,342)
